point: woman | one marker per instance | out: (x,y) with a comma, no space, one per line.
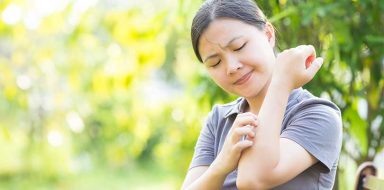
(365,169)
(276,135)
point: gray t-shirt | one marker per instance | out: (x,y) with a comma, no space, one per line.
(313,123)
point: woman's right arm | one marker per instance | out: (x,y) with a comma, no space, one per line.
(213,176)
(203,177)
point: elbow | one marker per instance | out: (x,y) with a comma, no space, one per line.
(250,184)
(248,180)
(259,176)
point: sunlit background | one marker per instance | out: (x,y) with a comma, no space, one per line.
(108,94)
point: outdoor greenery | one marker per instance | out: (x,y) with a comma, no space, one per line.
(108,94)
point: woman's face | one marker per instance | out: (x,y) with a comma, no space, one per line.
(239,57)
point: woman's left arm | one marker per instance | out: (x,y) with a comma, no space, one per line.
(274,160)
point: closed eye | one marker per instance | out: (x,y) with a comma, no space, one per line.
(216,64)
(238,49)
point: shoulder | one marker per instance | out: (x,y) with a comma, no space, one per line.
(306,103)
(315,124)
(315,116)
(222,111)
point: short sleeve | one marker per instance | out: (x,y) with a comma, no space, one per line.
(318,129)
(205,146)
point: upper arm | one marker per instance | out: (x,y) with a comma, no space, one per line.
(318,130)
(193,174)
(294,159)
(204,153)
(313,135)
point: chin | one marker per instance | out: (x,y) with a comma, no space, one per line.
(249,93)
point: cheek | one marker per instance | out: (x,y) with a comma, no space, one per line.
(260,58)
(260,49)
(218,77)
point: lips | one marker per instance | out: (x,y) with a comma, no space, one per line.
(243,79)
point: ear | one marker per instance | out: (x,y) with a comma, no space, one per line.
(270,32)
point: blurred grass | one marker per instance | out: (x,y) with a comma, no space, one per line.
(143,177)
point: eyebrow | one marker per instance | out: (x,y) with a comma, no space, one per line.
(230,41)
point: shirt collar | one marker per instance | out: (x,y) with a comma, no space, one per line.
(240,105)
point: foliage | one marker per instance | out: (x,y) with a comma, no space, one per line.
(110,84)
(349,34)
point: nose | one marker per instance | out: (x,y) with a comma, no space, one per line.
(233,65)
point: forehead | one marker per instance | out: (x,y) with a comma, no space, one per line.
(220,31)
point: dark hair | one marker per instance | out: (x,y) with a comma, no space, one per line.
(244,10)
(362,170)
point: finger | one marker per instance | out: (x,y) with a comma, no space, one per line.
(238,133)
(247,114)
(314,67)
(250,136)
(309,50)
(245,120)
(241,145)
(250,114)
(301,47)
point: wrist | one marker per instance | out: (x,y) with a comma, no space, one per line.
(217,169)
(281,84)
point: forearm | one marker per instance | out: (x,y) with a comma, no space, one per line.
(263,156)
(213,178)
(271,114)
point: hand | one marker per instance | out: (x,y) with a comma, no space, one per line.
(296,66)
(234,144)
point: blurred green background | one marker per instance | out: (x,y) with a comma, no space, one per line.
(108,94)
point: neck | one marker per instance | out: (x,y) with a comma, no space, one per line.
(254,103)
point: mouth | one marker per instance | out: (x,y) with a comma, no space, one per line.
(243,79)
